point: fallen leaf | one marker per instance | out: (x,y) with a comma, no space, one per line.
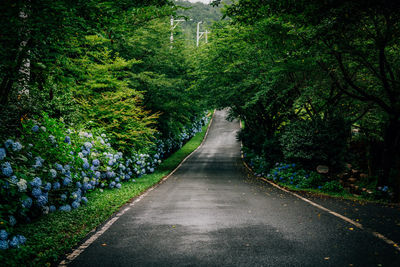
(104,244)
(326,258)
(351,228)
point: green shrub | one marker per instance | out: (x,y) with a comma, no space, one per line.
(332,186)
(315,142)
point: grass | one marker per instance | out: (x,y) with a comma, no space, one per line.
(53,235)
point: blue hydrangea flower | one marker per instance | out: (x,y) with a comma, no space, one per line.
(151,169)
(47,187)
(86,165)
(4,244)
(35,128)
(111,162)
(56,186)
(67,140)
(88,145)
(3,234)
(58,167)
(118,186)
(14,179)
(75,204)
(110,174)
(52,208)
(8,143)
(97,174)
(112,184)
(66,181)
(12,220)
(78,185)
(36,192)
(21,239)
(85,186)
(27,203)
(116,180)
(63,197)
(84,200)
(6,169)
(41,201)
(66,208)
(96,162)
(16,146)
(85,152)
(3,153)
(37,182)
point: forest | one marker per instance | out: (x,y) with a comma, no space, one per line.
(94,94)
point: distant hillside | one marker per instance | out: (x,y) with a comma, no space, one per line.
(197,12)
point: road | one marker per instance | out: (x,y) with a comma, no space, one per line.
(211,212)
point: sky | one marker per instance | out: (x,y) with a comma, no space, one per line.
(203,1)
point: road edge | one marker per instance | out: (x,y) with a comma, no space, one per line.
(338,215)
(94,234)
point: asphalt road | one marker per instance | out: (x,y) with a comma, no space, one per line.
(211,213)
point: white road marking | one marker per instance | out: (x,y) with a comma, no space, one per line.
(71,256)
(344,218)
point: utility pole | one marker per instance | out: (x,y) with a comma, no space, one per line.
(200,34)
(174,26)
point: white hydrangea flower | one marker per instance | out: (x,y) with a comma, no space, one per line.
(22,186)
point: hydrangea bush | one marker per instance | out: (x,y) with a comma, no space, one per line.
(290,174)
(51,168)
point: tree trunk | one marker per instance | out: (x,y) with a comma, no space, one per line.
(390,157)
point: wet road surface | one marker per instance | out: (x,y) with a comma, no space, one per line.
(211,213)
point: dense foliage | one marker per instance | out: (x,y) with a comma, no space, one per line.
(315,82)
(92,94)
